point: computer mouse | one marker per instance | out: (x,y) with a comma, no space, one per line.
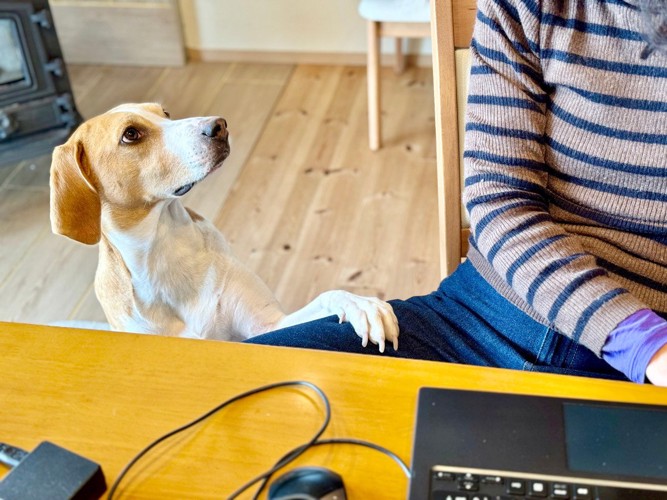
(308,483)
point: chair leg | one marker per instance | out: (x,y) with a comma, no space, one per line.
(373,80)
(399,64)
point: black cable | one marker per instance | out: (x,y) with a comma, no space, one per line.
(292,456)
(373,446)
(10,455)
(203,417)
(252,392)
(286,459)
(357,442)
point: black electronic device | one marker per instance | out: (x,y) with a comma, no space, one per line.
(50,472)
(471,445)
(308,483)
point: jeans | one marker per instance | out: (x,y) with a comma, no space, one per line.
(464,321)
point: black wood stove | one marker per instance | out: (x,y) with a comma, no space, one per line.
(37,109)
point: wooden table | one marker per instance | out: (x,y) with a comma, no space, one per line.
(106,395)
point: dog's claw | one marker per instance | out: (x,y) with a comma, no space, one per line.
(372,319)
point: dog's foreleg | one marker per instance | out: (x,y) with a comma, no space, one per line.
(371,318)
(251,309)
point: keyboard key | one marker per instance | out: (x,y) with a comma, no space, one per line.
(444,495)
(560,490)
(465,485)
(516,487)
(583,493)
(439,475)
(538,489)
(492,480)
(481,497)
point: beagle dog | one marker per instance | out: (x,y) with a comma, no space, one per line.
(164,269)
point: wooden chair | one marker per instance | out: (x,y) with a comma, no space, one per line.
(452,24)
(389,18)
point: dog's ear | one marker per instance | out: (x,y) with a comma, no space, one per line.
(75,204)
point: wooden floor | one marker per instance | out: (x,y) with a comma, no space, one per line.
(301,198)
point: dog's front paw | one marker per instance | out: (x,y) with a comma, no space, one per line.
(372,319)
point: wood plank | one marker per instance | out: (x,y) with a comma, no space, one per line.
(277,178)
(246,107)
(282,57)
(386,205)
(22,222)
(374,85)
(33,174)
(88,308)
(320,258)
(48,288)
(399,207)
(190,90)
(314,209)
(117,85)
(8,171)
(84,78)
(261,73)
(446,126)
(463,13)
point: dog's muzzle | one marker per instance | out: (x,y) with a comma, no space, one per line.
(216,130)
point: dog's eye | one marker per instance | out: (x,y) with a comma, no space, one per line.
(166,113)
(130,135)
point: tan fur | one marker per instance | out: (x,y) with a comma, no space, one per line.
(113,285)
(75,205)
(194,215)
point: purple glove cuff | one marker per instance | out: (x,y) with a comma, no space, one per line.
(632,344)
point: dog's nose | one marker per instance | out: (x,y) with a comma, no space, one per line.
(215,128)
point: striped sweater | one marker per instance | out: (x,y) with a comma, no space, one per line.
(566,162)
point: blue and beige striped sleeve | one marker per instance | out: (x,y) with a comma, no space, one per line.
(520,183)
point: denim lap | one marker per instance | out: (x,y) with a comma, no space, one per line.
(464,321)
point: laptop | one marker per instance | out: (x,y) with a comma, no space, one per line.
(471,445)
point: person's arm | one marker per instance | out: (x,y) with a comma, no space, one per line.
(507,176)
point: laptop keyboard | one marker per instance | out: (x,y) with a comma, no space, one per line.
(455,483)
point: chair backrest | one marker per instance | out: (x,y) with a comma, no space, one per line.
(451,27)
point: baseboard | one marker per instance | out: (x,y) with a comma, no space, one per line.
(324,58)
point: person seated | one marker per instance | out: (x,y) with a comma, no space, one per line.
(566,188)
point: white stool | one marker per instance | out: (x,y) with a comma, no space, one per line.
(393,18)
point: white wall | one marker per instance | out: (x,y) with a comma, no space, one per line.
(322,26)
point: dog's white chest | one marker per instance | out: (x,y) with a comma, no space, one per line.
(179,293)
(175,282)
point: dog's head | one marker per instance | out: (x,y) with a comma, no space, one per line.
(127,160)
